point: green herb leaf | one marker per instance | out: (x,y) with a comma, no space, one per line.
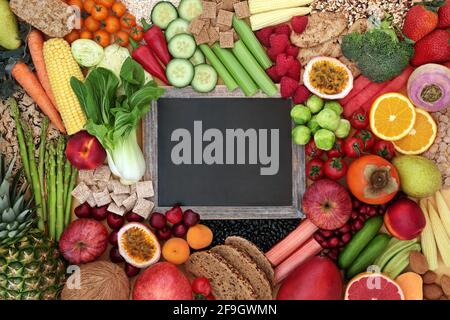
(132,75)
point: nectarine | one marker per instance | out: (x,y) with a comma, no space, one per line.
(85,152)
(404,219)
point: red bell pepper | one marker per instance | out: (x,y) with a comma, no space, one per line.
(145,57)
(154,37)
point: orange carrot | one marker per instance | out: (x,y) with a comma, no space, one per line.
(36,45)
(308,250)
(294,240)
(30,83)
(358,85)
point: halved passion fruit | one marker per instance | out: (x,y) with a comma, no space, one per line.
(138,245)
(328,78)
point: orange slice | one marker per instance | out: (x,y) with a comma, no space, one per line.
(373,286)
(421,137)
(392,116)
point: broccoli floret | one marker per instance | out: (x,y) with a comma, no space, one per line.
(378,56)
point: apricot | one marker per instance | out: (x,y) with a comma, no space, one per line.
(199,237)
(176,251)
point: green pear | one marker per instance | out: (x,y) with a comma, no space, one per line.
(9,32)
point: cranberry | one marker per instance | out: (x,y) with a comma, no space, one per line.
(115,221)
(346,237)
(345,228)
(133,217)
(115,256)
(179,230)
(191,218)
(372,212)
(333,242)
(355,215)
(164,233)
(131,271)
(113,239)
(318,237)
(358,224)
(327,233)
(100,213)
(158,220)
(364,209)
(83,211)
(356,203)
(333,255)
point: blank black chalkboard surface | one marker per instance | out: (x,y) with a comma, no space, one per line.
(226,156)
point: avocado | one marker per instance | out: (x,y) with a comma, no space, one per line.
(9,32)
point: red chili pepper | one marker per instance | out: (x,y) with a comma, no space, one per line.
(145,57)
(154,37)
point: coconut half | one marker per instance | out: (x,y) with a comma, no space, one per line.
(138,245)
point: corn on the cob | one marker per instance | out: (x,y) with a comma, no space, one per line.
(259,6)
(272,18)
(429,248)
(444,211)
(442,240)
(61,66)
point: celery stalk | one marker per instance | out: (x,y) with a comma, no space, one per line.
(220,68)
(254,69)
(239,74)
(248,37)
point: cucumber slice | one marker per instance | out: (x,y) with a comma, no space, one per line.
(205,78)
(182,46)
(163,14)
(177,26)
(180,72)
(190,9)
(198,57)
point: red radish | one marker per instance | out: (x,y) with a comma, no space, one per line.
(131,271)
(99,213)
(83,241)
(115,221)
(358,85)
(301,94)
(133,217)
(305,252)
(327,204)
(263,36)
(179,230)
(114,255)
(288,87)
(83,211)
(283,29)
(299,23)
(190,218)
(174,215)
(158,220)
(164,234)
(289,244)
(113,239)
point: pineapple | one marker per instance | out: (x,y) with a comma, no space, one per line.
(16,215)
(31,269)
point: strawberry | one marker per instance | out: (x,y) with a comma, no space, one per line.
(263,36)
(278,43)
(299,23)
(283,29)
(444,16)
(301,95)
(288,87)
(292,51)
(433,48)
(294,70)
(283,64)
(420,20)
(272,73)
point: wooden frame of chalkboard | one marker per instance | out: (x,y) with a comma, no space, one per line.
(150,147)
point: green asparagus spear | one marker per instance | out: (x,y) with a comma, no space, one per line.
(52,192)
(67,176)
(59,188)
(35,179)
(68,198)
(41,168)
(21,139)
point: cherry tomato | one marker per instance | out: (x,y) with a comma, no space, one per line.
(72,36)
(119,9)
(314,169)
(122,39)
(105,3)
(76,3)
(102,38)
(312,151)
(367,137)
(360,119)
(99,12)
(112,24)
(91,24)
(335,168)
(353,147)
(384,149)
(88,5)
(137,33)
(337,150)
(128,21)
(86,34)
(201,286)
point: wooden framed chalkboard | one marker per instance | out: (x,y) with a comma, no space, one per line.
(224,155)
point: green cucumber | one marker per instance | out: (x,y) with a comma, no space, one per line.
(397,264)
(190,9)
(182,46)
(163,14)
(375,247)
(177,26)
(394,247)
(180,72)
(359,241)
(220,68)
(198,57)
(205,78)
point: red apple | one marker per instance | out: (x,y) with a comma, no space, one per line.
(162,281)
(327,204)
(404,219)
(83,241)
(84,151)
(316,279)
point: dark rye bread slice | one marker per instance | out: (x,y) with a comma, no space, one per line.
(253,251)
(248,268)
(226,282)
